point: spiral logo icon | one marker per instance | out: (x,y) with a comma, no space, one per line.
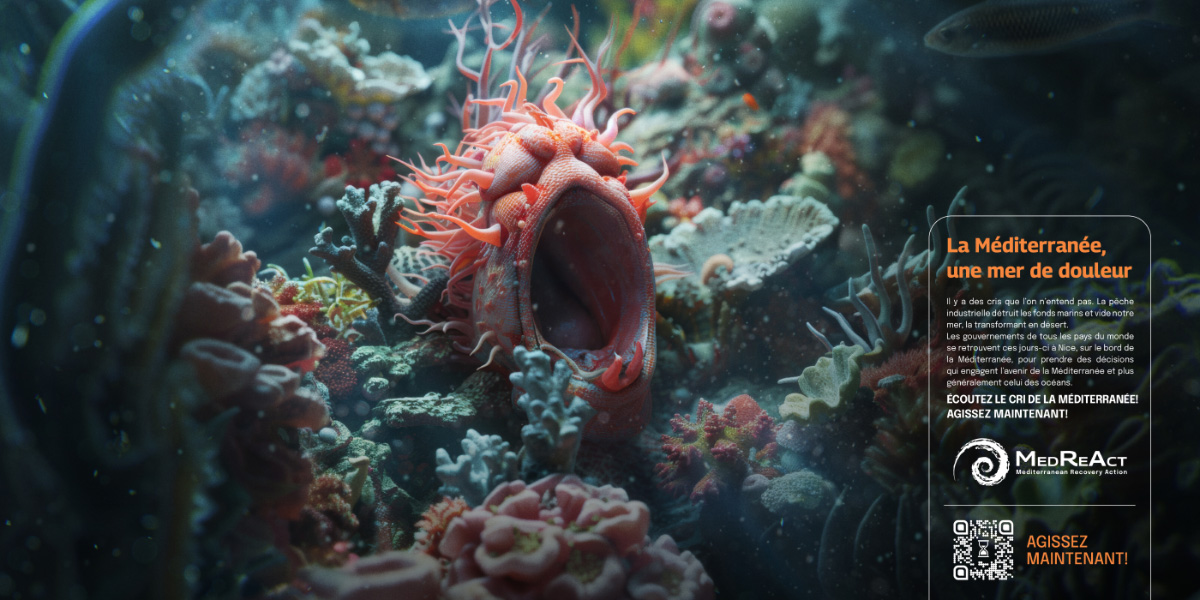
(987,470)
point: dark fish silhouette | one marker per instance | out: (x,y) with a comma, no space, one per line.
(1011,27)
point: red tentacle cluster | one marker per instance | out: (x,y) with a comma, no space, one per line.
(520,209)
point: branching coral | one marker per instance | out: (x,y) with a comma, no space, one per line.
(718,451)
(555,426)
(884,338)
(486,464)
(366,254)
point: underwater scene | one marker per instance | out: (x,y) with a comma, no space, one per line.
(638,299)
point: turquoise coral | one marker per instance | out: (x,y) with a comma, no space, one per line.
(555,426)
(486,464)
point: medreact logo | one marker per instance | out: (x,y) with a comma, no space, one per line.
(989,469)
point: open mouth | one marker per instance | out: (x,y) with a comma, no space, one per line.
(588,287)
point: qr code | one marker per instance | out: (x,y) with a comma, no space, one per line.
(983,550)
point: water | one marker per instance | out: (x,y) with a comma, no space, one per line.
(214,212)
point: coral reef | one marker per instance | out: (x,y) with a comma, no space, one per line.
(179,423)
(717,451)
(555,426)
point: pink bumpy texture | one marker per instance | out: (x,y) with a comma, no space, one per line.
(545,242)
(562,538)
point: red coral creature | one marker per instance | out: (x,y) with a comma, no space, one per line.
(718,451)
(827,130)
(544,241)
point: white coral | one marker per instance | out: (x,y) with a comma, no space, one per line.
(387,77)
(762,238)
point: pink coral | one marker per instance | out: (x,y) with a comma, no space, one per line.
(248,357)
(409,575)
(718,451)
(562,538)
(223,261)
